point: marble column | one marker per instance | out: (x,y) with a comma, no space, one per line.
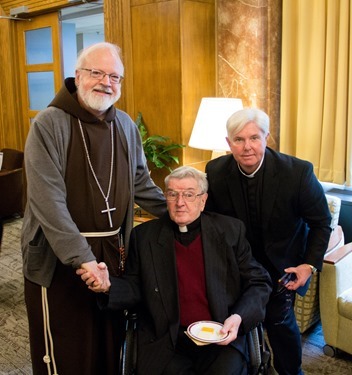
(249,56)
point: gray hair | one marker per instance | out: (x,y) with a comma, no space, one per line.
(84,53)
(189,172)
(238,120)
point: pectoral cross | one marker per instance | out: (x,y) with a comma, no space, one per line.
(107,211)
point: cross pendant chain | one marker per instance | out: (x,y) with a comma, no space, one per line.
(106,197)
(107,211)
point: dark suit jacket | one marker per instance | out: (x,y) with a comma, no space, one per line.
(295,215)
(235,283)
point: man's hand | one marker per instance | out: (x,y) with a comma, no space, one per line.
(231,326)
(95,275)
(303,272)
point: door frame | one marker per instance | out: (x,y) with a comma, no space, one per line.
(38,22)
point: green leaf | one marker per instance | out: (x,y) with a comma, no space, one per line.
(157,147)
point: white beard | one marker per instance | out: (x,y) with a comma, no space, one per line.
(98,102)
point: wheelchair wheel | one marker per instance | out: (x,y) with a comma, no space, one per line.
(128,361)
(255,357)
(128,357)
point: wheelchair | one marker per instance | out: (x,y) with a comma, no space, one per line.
(259,354)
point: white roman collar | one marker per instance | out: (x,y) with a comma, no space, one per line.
(252,174)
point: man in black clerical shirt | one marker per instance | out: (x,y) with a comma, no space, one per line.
(287,219)
(186,267)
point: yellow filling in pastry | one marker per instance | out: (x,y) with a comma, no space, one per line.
(207,329)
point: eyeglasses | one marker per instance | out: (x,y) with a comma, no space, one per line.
(98,74)
(188,196)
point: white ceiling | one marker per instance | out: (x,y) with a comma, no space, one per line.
(88,17)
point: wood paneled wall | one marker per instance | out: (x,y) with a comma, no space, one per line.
(169,52)
(117,25)
(169,56)
(12,131)
(173,66)
(11,135)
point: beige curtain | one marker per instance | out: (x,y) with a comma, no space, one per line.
(316,86)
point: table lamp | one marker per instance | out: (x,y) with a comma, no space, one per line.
(209,130)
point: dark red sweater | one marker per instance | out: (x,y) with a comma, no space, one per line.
(191,282)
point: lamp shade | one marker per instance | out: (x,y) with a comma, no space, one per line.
(209,130)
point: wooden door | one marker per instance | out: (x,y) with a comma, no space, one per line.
(40,64)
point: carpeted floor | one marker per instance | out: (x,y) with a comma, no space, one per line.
(316,362)
(14,346)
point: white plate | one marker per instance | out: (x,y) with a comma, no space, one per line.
(206,331)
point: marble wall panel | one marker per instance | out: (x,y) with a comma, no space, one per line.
(249,55)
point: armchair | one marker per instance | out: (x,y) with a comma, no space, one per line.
(11,183)
(307,307)
(336,300)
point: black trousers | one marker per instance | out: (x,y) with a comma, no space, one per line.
(283,333)
(191,359)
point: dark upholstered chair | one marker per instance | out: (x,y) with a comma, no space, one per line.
(11,183)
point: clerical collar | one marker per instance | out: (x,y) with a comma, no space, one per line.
(190,227)
(188,233)
(253,173)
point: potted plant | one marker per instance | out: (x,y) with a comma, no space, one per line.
(157,148)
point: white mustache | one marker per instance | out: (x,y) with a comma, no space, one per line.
(103,89)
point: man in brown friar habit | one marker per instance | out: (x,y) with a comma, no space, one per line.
(85,168)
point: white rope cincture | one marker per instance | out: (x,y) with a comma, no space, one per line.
(47,334)
(101,234)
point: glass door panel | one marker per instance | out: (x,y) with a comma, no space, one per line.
(39,47)
(41,89)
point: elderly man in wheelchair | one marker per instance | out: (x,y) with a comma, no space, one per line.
(191,277)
